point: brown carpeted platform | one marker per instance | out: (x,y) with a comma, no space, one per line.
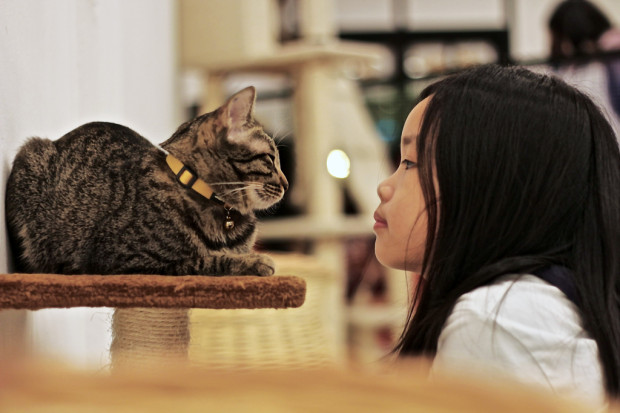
(37,291)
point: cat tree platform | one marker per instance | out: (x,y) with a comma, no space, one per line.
(151,320)
(38,291)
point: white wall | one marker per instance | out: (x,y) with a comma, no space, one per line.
(67,62)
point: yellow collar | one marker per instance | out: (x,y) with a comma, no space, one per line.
(189,179)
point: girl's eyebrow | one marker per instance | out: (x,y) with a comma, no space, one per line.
(408,139)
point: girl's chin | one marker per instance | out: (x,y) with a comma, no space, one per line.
(396,263)
(388,261)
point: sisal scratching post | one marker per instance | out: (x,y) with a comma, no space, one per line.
(147,335)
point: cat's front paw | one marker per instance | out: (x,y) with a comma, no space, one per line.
(260,264)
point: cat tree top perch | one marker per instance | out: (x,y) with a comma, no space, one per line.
(151,316)
(37,291)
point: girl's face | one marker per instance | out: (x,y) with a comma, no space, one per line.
(401,220)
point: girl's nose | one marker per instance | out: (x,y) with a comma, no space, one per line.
(384,191)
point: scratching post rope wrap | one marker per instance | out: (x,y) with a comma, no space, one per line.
(149,335)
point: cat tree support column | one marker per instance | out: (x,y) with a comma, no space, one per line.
(314,132)
(323,197)
(314,88)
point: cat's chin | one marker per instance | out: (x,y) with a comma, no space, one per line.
(256,206)
(259,200)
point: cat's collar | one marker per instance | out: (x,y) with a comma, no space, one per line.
(189,179)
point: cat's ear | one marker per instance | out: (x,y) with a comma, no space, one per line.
(237,111)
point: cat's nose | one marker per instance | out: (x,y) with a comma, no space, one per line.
(284,182)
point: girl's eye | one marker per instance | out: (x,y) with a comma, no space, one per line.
(408,164)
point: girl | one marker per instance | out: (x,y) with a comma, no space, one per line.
(507,203)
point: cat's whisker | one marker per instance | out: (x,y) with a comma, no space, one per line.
(275,134)
(277,139)
(236,183)
(232,191)
(235,191)
(251,184)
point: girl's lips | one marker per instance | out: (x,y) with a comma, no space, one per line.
(379,221)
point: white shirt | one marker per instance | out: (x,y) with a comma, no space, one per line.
(524,328)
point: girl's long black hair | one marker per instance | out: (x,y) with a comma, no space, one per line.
(528,175)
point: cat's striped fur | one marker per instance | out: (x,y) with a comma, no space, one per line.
(102,199)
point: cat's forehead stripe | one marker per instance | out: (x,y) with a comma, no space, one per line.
(260,146)
(260,141)
(256,131)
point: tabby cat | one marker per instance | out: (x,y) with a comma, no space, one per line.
(103,200)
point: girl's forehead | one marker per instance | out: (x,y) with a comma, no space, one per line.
(413,124)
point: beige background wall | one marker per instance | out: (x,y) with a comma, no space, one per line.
(67,62)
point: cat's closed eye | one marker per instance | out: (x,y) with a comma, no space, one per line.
(270,158)
(252,158)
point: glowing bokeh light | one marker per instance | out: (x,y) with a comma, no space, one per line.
(338,164)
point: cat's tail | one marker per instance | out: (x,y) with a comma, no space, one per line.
(28,196)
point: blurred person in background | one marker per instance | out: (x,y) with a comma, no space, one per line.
(581,38)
